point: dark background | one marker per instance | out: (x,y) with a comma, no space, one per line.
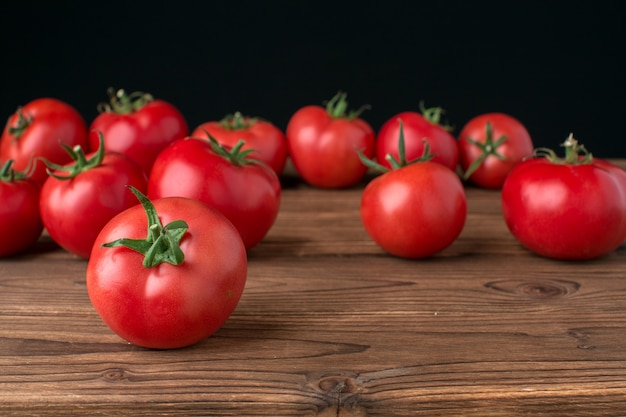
(556,66)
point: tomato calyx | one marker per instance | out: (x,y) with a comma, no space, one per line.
(401,161)
(121,102)
(490,147)
(433,115)
(80,164)
(21,124)
(237,121)
(8,174)
(337,107)
(162,243)
(235,155)
(575,153)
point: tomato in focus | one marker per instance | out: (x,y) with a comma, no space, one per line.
(177,285)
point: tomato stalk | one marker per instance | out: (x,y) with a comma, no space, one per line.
(22,123)
(162,243)
(80,164)
(122,103)
(433,115)
(490,147)
(234,155)
(575,153)
(237,121)
(338,105)
(401,161)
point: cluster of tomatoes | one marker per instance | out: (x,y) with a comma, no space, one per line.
(150,203)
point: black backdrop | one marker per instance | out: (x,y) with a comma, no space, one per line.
(556,66)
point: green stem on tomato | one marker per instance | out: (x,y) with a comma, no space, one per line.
(237,121)
(122,103)
(80,164)
(338,106)
(162,245)
(490,147)
(575,153)
(401,161)
(433,115)
(23,122)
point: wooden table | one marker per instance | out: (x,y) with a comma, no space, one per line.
(330,325)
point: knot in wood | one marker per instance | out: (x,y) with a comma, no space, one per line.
(338,385)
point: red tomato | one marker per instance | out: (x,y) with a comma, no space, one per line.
(415,210)
(138,126)
(418,127)
(35,131)
(78,199)
(490,146)
(267,140)
(246,192)
(176,286)
(571,208)
(323,144)
(20,222)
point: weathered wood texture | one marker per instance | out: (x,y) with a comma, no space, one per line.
(329,325)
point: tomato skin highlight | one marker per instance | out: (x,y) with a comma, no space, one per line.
(51,122)
(562,211)
(248,195)
(416,128)
(168,306)
(323,148)
(517,146)
(74,210)
(415,211)
(20,221)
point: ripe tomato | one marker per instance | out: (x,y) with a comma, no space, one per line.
(176,286)
(35,130)
(490,146)
(323,144)
(267,140)
(417,127)
(415,210)
(79,198)
(137,125)
(246,192)
(571,208)
(20,222)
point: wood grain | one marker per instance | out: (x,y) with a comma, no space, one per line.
(330,325)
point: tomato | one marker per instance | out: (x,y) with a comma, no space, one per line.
(416,209)
(417,127)
(246,192)
(323,143)
(20,222)
(35,130)
(490,146)
(79,198)
(138,125)
(177,285)
(571,208)
(267,140)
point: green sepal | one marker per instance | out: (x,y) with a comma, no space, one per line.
(490,147)
(121,102)
(337,107)
(162,245)
(80,164)
(22,123)
(237,121)
(575,153)
(401,161)
(234,155)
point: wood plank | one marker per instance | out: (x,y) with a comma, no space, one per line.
(330,325)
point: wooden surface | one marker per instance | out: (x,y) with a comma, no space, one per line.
(329,325)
